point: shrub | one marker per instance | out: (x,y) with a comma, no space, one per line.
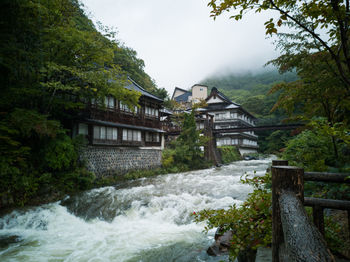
(250,222)
(229,154)
(311,150)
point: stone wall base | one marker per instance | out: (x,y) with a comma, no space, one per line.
(243,151)
(112,160)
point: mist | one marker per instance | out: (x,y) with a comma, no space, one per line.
(179,41)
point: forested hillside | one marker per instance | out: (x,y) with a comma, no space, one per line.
(53,59)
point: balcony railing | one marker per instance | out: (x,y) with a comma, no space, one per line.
(122,117)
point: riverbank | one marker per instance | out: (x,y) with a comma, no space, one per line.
(50,193)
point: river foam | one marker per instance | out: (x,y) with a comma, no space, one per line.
(148,220)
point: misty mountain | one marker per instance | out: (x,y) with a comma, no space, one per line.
(241,87)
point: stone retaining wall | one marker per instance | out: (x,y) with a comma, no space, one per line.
(110,160)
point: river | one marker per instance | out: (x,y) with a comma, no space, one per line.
(144,220)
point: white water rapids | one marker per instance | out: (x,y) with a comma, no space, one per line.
(144,220)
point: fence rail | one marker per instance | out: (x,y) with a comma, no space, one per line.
(294,237)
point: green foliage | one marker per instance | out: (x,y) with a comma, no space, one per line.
(168,157)
(275,142)
(53,61)
(304,19)
(229,154)
(250,223)
(187,153)
(37,153)
(311,150)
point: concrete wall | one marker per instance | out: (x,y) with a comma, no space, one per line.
(104,160)
(199,92)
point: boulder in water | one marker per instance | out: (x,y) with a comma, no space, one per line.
(222,243)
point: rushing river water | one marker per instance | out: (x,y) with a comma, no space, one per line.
(144,220)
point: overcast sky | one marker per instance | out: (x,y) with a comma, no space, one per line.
(179,41)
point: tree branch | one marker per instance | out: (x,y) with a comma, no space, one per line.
(315,36)
(343,32)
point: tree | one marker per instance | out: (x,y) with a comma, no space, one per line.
(187,147)
(307,19)
(53,60)
(318,93)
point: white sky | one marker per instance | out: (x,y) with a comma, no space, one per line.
(180,43)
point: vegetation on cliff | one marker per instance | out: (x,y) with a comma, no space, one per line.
(53,59)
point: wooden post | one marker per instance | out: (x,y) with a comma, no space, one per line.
(317,212)
(348,221)
(283,178)
(279,162)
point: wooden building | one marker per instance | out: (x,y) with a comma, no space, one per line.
(228,114)
(121,138)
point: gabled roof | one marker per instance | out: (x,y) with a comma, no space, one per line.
(183,97)
(180,89)
(226,104)
(216,92)
(134,86)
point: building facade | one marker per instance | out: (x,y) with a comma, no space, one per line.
(122,138)
(226,115)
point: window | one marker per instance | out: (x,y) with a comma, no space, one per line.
(126,108)
(109,102)
(83,129)
(151,111)
(105,133)
(219,116)
(131,135)
(233,115)
(152,137)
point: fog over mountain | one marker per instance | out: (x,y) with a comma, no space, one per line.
(179,41)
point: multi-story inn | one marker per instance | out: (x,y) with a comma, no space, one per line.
(120,138)
(227,114)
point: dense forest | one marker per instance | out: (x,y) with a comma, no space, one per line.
(53,59)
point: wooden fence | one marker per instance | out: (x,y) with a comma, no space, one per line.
(294,236)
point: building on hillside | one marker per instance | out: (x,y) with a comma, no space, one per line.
(121,139)
(187,98)
(226,114)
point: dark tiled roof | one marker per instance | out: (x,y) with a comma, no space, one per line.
(183,97)
(226,98)
(220,94)
(134,86)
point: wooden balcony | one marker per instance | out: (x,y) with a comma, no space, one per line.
(121,117)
